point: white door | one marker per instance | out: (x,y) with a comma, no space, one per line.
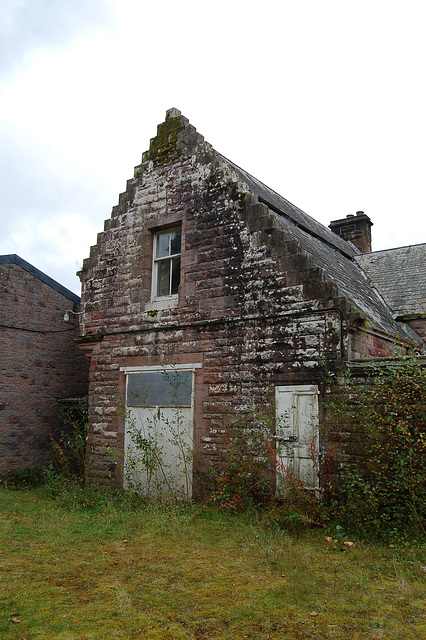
(297,435)
(159,432)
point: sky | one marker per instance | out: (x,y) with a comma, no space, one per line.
(324,102)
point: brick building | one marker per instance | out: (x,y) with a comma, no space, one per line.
(207,296)
(40,361)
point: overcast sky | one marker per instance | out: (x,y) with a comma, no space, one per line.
(324,101)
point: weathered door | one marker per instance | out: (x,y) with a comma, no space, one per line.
(159,431)
(297,434)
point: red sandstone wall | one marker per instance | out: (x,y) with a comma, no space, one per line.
(40,363)
(366,343)
(237,270)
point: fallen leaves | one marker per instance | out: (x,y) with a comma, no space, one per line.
(347,543)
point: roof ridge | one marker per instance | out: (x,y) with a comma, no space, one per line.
(405,246)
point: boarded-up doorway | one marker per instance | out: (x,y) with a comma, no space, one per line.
(159,430)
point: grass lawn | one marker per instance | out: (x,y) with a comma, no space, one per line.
(181,573)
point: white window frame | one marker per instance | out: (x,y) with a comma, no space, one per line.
(155,264)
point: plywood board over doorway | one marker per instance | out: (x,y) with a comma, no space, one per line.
(159,430)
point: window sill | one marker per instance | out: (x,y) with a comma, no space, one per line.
(166,302)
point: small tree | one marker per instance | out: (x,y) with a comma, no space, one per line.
(244,474)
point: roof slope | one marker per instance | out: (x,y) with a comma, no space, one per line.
(400,276)
(337,258)
(289,211)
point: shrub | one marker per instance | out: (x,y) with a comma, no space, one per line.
(381,488)
(245,478)
(296,508)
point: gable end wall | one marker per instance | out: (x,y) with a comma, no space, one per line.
(252,308)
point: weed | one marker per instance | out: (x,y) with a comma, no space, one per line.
(70,453)
(297,507)
(244,475)
(22,478)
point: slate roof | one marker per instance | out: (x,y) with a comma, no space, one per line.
(338,259)
(400,276)
(292,213)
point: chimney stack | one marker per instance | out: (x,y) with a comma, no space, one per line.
(356,229)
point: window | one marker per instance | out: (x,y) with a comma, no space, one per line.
(159,389)
(166,272)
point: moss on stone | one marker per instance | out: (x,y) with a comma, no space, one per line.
(163,147)
(229,188)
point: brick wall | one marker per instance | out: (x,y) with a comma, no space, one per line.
(40,363)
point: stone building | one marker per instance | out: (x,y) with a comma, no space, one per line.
(40,361)
(209,296)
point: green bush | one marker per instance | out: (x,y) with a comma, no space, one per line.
(22,478)
(381,488)
(72,495)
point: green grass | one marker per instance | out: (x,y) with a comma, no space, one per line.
(104,569)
